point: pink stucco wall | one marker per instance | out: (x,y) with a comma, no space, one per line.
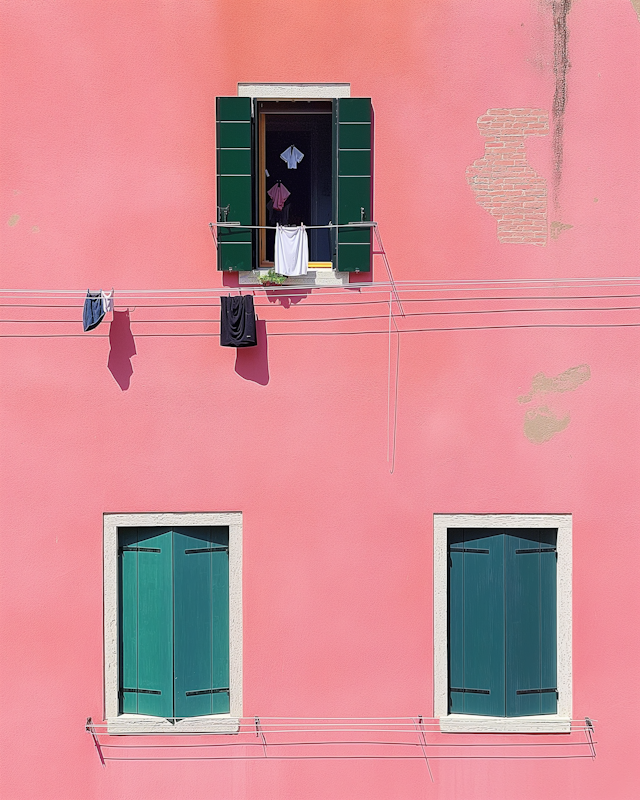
(108,180)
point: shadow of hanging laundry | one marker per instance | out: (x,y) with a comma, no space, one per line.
(288,299)
(123,347)
(252,363)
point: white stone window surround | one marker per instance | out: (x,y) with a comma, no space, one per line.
(137,723)
(468,723)
(296,91)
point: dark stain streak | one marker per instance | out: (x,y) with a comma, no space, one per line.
(561,66)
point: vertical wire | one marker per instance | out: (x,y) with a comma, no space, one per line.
(395,400)
(389,389)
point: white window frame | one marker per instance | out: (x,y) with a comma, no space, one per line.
(470,723)
(139,723)
(296,91)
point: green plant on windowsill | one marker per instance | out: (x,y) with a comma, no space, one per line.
(272,278)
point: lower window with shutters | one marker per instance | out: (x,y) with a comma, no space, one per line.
(502,622)
(172,617)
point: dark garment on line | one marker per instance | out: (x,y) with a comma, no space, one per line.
(278,217)
(237,322)
(93,311)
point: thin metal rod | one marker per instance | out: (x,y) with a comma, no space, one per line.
(89,727)
(308,227)
(423,745)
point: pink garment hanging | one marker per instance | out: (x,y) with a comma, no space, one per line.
(278,193)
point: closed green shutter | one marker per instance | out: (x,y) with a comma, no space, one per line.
(201,592)
(530,591)
(476,622)
(234,139)
(146,622)
(502,622)
(352,193)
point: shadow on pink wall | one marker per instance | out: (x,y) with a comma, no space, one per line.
(123,347)
(252,363)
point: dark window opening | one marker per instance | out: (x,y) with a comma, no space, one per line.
(307,126)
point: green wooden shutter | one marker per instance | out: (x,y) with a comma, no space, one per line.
(234,159)
(201,615)
(146,622)
(530,591)
(476,622)
(352,182)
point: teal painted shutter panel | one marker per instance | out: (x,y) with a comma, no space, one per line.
(234,143)
(352,194)
(476,622)
(201,614)
(146,622)
(530,593)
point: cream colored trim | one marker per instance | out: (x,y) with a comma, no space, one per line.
(132,723)
(315,277)
(306,91)
(469,723)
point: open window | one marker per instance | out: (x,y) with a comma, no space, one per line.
(320,152)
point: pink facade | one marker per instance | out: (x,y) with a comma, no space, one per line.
(511,387)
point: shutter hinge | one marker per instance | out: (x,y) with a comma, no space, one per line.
(466,550)
(139,691)
(470,691)
(207,691)
(538,691)
(139,549)
(207,550)
(538,550)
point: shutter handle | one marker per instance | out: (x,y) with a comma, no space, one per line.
(361,213)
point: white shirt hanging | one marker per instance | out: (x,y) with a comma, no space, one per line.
(291,250)
(107,301)
(292,156)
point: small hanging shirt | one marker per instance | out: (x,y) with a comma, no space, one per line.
(292,156)
(107,301)
(291,250)
(278,193)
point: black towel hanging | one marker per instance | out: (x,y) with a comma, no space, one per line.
(238,322)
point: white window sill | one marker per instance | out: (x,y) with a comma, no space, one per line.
(137,723)
(315,277)
(470,723)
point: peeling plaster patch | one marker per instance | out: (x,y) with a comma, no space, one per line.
(541,424)
(636,5)
(13,220)
(35,229)
(567,381)
(557,228)
(503,181)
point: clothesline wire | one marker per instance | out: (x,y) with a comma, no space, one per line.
(327,333)
(349,302)
(339,742)
(347,319)
(250,720)
(473,285)
(338,757)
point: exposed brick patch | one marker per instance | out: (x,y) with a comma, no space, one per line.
(503,181)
